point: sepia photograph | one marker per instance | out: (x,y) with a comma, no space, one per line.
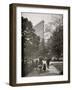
(42,44)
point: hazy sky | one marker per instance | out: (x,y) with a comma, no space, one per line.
(35,18)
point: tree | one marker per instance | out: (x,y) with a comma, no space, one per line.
(30,41)
(57,42)
(30,44)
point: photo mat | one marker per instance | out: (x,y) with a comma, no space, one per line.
(29,68)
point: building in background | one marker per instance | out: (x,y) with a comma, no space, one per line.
(43,31)
(39,30)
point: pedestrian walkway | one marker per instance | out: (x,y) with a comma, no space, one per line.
(51,71)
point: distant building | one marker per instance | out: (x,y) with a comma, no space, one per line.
(39,30)
(42,31)
(47,32)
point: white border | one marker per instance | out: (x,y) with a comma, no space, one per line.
(63,77)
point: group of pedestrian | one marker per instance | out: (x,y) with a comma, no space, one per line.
(42,64)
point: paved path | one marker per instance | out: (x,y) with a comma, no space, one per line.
(51,71)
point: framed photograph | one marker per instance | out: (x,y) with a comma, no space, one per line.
(39,44)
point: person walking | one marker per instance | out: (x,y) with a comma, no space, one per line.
(36,65)
(48,62)
(40,63)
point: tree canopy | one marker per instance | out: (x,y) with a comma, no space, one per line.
(55,43)
(30,41)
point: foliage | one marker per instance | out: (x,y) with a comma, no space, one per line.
(56,44)
(30,41)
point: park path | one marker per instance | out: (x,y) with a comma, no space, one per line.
(51,71)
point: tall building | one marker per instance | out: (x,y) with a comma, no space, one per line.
(43,31)
(39,30)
